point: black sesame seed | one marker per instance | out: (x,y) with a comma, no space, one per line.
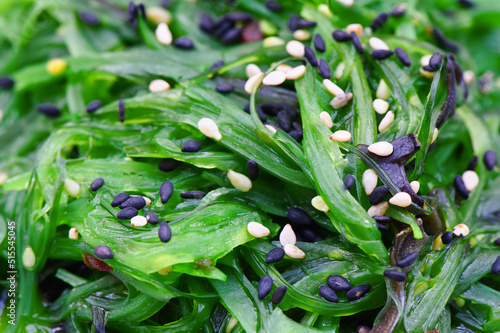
(428,68)
(447,237)
(96,184)
(231,36)
(207,24)
(224,88)
(310,56)
(379,21)
(136,202)
(324,69)
(495,268)
(358,292)
(466,3)
(357,43)
(395,275)
(191,146)
(168,164)
(184,43)
(381,54)
(260,113)
(275,255)
(93,106)
(50,110)
(6,82)
(166,191)
(382,219)
(253,169)
(308,235)
(443,42)
(265,286)
(304,24)
(164,232)
(490,159)
(403,56)
(435,60)
(398,11)
(127,213)
(408,260)
(319,43)
(278,295)
(293,22)
(239,17)
(192,195)
(222,26)
(151,217)
(165,3)
(274,6)
(382,227)
(378,194)
(216,65)
(341,36)
(103,252)
(298,216)
(328,294)
(89,18)
(460,187)
(348,181)
(141,9)
(132,10)
(119,198)
(338,283)
(473,163)
(296,135)
(121,110)
(284,121)
(497,241)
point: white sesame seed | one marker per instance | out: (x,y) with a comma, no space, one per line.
(415,186)
(332,88)
(3,177)
(148,201)
(471,180)
(339,70)
(163,34)
(294,252)
(158,85)
(209,128)
(296,72)
(354,27)
(257,230)
(379,209)
(347,3)
(434,135)
(460,230)
(378,44)
(424,61)
(386,121)
(380,106)
(29,259)
(271,129)
(252,69)
(401,199)
(165,270)
(239,181)
(301,35)
(323,9)
(274,78)
(469,76)
(72,187)
(320,204)
(73,233)
(341,100)
(273,41)
(381,148)
(295,49)
(341,136)
(383,90)
(287,236)
(369,181)
(138,221)
(284,68)
(253,81)
(426,74)
(326,119)
(158,15)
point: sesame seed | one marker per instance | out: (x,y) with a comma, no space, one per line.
(271,129)
(275,255)
(166,191)
(319,43)
(301,35)
(209,128)
(328,294)
(324,69)
(265,286)
(272,41)
(348,181)
(103,252)
(447,237)
(253,169)
(287,236)
(339,70)
(381,54)
(121,110)
(127,213)
(295,49)
(293,22)
(415,186)
(93,106)
(303,24)
(426,74)
(354,27)
(408,260)
(435,60)
(358,292)
(369,181)
(184,43)
(138,221)
(435,134)
(320,204)
(274,78)
(96,184)
(357,43)
(72,187)
(73,233)
(325,10)
(296,135)
(89,18)
(251,70)
(460,230)
(252,82)
(469,76)
(395,275)
(158,15)
(6,82)
(168,164)
(386,121)
(257,230)
(239,181)
(296,72)
(380,106)
(378,44)
(495,268)
(382,219)
(338,283)
(278,295)
(164,232)
(310,56)
(341,100)
(284,68)
(151,217)
(379,21)
(284,120)
(382,90)
(298,216)
(158,85)
(443,41)
(401,199)
(496,241)
(403,56)
(399,10)
(381,148)
(56,66)
(326,119)
(378,210)
(50,110)
(378,194)
(191,146)
(341,36)
(137,202)
(273,6)
(192,195)
(224,88)
(424,60)
(294,252)
(119,199)
(163,34)
(218,64)
(347,3)
(148,201)
(427,68)
(490,159)
(332,88)
(470,179)
(29,259)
